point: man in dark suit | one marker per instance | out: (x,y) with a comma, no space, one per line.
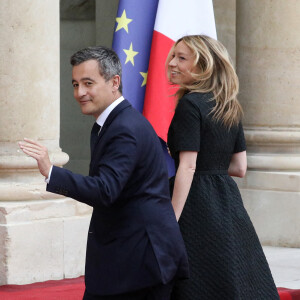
(134,249)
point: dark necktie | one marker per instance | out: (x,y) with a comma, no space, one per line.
(94,135)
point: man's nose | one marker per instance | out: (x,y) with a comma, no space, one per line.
(81,91)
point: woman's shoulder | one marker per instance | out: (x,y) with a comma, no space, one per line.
(198,97)
(200,100)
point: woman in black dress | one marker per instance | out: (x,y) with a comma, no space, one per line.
(207,142)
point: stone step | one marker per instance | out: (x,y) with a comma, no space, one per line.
(285,266)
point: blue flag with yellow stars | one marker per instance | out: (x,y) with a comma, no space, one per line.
(132,42)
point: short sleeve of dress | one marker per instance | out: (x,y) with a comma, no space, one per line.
(240,143)
(186,126)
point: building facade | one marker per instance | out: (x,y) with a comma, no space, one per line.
(42,235)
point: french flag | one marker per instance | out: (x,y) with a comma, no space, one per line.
(174,19)
(145,31)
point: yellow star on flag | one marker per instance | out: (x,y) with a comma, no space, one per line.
(145,75)
(130,54)
(123,22)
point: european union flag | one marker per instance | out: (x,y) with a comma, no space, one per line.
(132,42)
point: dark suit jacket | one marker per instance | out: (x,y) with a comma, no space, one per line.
(134,240)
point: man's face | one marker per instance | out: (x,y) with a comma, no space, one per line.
(92,92)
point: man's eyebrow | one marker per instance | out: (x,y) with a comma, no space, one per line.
(84,78)
(87,78)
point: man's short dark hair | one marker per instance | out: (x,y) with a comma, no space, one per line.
(108,61)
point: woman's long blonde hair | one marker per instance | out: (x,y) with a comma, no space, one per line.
(217,75)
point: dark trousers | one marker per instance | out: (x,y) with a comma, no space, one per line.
(159,292)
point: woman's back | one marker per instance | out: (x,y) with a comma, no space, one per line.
(225,256)
(216,142)
(216,228)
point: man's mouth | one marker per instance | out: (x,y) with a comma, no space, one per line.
(84,101)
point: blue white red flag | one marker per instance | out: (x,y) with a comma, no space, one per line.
(174,19)
(144,26)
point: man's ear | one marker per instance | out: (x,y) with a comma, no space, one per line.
(116,81)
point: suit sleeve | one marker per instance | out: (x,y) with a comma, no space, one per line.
(114,168)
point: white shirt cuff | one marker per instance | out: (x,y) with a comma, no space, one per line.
(47,180)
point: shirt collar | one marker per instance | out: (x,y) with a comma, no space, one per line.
(104,115)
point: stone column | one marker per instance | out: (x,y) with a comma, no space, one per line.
(268,49)
(35,228)
(225,18)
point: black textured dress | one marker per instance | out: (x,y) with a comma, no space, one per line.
(226,259)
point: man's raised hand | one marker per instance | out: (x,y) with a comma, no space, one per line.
(39,153)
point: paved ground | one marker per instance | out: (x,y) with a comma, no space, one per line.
(285,266)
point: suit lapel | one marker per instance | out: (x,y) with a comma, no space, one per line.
(124,104)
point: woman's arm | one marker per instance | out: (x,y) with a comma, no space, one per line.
(183,180)
(238,164)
